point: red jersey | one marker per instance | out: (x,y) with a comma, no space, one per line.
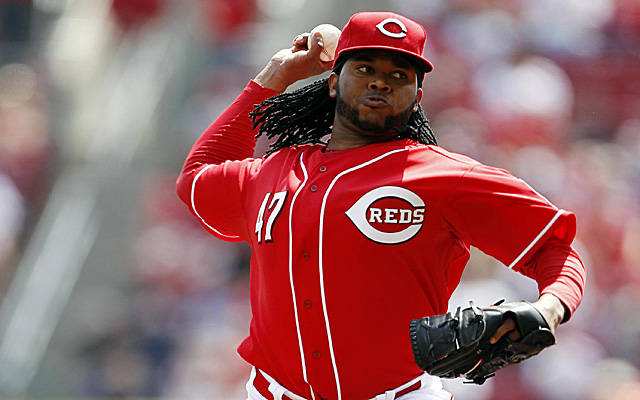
(349,246)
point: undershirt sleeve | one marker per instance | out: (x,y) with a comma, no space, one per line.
(219,165)
(558,270)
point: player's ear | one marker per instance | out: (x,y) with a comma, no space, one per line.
(333,85)
(418,98)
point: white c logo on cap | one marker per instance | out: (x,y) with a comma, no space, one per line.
(399,35)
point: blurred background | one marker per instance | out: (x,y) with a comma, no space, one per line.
(109,288)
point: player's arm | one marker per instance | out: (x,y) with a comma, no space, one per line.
(213,176)
(231,136)
(502,216)
(561,275)
(290,65)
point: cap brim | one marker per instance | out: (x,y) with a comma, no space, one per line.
(422,63)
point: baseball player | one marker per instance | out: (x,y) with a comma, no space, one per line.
(355,236)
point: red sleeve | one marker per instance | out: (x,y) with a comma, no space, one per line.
(505,218)
(558,269)
(230,137)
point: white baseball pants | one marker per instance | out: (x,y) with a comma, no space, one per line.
(431,389)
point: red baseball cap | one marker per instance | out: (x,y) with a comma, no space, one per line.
(385,31)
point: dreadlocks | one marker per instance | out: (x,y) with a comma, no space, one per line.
(305,116)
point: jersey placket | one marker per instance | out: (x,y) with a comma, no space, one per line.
(313,202)
(306,280)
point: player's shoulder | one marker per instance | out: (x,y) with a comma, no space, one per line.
(456,164)
(433,153)
(288,154)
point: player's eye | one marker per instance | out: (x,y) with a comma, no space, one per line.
(399,75)
(366,69)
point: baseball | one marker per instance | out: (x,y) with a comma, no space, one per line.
(330,35)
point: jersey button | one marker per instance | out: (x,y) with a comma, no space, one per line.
(323,168)
(307,303)
(317,354)
(306,255)
(313,188)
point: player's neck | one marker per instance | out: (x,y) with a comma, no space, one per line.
(344,137)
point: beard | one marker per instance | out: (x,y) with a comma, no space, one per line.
(394,124)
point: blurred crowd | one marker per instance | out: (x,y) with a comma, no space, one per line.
(26,146)
(549,90)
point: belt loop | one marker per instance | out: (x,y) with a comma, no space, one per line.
(423,380)
(252,377)
(276,390)
(388,395)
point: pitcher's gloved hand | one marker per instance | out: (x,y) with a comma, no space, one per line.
(454,345)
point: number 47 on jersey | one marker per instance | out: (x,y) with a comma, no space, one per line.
(273,210)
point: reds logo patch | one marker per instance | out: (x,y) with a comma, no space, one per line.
(388,214)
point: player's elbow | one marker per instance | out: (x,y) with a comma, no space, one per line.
(183,187)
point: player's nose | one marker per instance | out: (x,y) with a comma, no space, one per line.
(379,82)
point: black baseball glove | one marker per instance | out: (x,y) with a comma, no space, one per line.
(454,345)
